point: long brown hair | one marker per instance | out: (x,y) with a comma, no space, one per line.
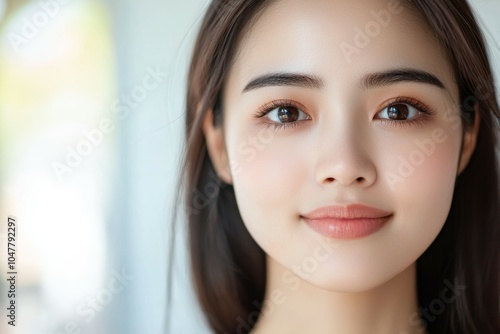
(228,266)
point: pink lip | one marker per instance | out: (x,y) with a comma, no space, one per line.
(347,222)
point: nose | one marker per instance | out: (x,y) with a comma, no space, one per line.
(344,159)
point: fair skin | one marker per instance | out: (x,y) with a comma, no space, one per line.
(340,152)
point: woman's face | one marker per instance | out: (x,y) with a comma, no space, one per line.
(350,130)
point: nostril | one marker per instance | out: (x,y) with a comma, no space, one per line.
(359,180)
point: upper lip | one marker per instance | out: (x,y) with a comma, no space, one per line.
(349,211)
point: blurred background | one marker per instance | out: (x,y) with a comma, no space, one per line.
(91,125)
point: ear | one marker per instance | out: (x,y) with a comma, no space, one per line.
(469,142)
(214,137)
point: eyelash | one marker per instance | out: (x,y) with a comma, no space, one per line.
(265,109)
(425,112)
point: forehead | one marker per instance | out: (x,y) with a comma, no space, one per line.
(339,40)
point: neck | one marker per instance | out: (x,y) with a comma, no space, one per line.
(389,308)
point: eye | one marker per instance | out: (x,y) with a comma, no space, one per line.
(282,113)
(404,111)
(286,114)
(400,112)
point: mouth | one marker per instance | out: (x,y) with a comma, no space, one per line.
(347,221)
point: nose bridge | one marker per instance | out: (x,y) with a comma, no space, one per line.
(345,149)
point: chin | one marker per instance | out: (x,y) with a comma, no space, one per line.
(349,280)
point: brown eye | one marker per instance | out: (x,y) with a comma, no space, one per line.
(398,112)
(288,114)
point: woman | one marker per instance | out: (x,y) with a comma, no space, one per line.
(340,172)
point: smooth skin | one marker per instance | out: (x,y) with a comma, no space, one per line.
(342,150)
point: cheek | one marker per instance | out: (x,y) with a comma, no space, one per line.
(266,182)
(420,179)
(421,173)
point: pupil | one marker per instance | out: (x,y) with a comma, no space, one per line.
(288,114)
(398,112)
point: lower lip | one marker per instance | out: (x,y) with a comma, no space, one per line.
(347,228)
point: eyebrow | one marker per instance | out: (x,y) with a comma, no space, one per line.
(400,75)
(285,79)
(369,81)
